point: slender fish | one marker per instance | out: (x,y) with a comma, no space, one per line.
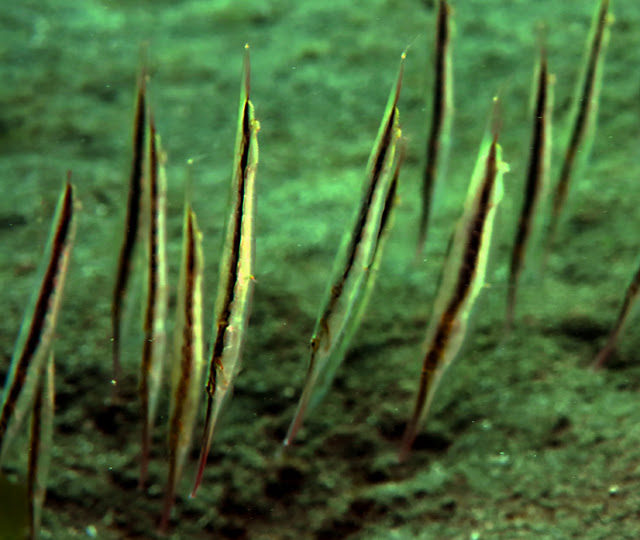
(629,299)
(40,446)
(34,340)
(462,280)
(585,112)
(441,113)
(188,359)
(347,294)
(155,335)
(537,172)
(132,223)
(235,287)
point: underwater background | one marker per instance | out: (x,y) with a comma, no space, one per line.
(524,440)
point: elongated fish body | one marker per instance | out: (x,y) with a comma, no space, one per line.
(442,112)
(361,299)
(38,326)
(537,172)
(235,287)
(40,445)
(585,111)
(355,264)
(630,297)
(462,280)
(188,358)
(132,220)
(155,335)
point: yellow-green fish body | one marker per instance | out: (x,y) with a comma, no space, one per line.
(462,280)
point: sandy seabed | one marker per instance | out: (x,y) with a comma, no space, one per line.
(524,440)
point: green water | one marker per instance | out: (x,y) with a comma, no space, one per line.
(524,440)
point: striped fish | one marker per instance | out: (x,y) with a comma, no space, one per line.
(40,446)
(629,299)
(186,375)
(133,219)
(355,265)
(462,280)
(537,172)
(585,111)
(235,287)
(34,340)
(441,114)
(155,335)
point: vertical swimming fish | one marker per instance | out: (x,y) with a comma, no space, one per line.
(629,299)
(188,358)
(155,336)
(441,113)
(40,445)
(235,287)
(537,171)
(585,111)
(132,222)
(38,326)
(354,266)
(462,280)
